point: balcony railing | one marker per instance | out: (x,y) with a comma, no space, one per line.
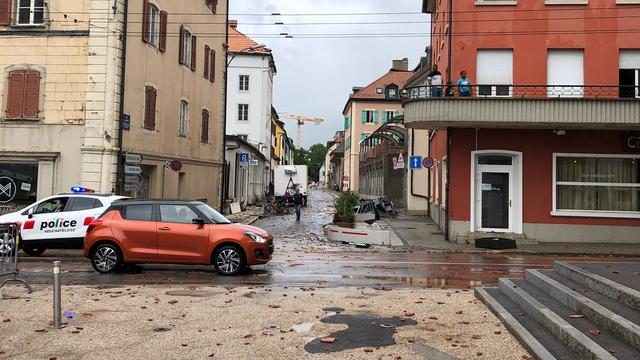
(523,91)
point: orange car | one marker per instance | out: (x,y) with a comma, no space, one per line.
(173,232)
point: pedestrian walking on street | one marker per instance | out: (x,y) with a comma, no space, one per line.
(298,201)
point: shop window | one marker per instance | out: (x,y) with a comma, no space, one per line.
(18,185)
(606,186)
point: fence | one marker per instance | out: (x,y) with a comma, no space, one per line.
(9,244)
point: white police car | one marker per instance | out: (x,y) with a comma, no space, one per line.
(60,221)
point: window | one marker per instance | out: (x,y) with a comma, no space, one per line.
(139,212)
(392,92)
(150,108)
(30,12)
(18,184)
(630,73)
(388,116)
(212,66)
(52,205)
(243,112)
(369,117)
(23,98)
(188,43)
(84,203)
(380,91)
(244,82)
(207,67)
(565,73)
(204,137)
(184,118)
(495,72)
(347,122)
(212,5)
(178,214)
(597,185)
(154,26)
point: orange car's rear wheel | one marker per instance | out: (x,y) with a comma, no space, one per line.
(106,258)
(228,260)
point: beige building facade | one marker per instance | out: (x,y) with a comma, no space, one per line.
(62,69)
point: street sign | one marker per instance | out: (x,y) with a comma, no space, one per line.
(131,180)
(244,157)
(132,170)
(131,187)
(253,162)
(126,121)
(132,159)
(415,162)
(176,165)
(399,162)
(427,162)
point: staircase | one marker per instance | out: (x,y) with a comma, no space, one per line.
(578,310)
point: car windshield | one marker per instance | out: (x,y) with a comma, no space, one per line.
(212,215)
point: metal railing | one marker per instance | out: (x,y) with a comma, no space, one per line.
(523,91)
(9,246)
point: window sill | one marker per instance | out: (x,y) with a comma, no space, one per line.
(566,2)
(30,26)
(496,2)
(622,2)
(597,214)
(19,119)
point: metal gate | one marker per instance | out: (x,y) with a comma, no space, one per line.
(9,244)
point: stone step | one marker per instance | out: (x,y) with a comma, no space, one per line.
(592,276)
(561,290)
(578,333)
(535,337)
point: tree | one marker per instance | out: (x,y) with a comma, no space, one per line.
(313,158)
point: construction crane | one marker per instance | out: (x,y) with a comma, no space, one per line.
(301,120)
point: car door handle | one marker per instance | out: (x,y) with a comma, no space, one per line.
(165,228)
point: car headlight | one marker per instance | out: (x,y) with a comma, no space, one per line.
(255,237)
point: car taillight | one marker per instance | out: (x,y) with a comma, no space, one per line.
(93,224)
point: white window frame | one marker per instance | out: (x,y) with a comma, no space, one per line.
(183,121)
(186,47)
(154,25)
(243,83)
(241,113)
(32,8)
(591,213)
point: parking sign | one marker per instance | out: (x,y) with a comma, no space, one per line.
(415,162)
(244,157)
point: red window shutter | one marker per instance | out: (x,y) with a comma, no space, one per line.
(15,96)
(145,21)
(205,126)
(214,7)
(5,12)
(163,30)
(32,94)
(212,64)
(181,44)
(207,52)
(194,43)
(150,108)
(154,95)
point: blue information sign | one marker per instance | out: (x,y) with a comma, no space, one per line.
(244,157)
(415,162)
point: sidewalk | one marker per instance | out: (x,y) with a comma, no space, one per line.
(421,233)
(248,217)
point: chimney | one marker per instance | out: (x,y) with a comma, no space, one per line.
(233,23)
(400,65)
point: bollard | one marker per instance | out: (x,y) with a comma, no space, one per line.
(57,296)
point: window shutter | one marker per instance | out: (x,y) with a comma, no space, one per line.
(145,21)
(207,53)
(214,6)
(182,44)
(375,118)
(32,94)
(346,123)
(5,12)
(395,114)
(150,108)
(15,96)
(384,117)
(154,95)
(205,126)
(194,51)
(212,71)
(364,116)
(164,16)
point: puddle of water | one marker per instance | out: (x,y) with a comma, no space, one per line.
(417,281)
(303,328)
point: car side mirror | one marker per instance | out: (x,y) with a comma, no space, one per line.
(198,221)
(30,213)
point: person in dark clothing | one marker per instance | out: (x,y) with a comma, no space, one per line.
(436,81)
(271,188)
(298,201)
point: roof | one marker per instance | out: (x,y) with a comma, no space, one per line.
(247,144)
(241,43)
(396,77)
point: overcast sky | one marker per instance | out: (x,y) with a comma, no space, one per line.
(315,76)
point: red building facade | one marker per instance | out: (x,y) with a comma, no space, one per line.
(545,147)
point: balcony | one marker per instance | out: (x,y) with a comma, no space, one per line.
(524,106)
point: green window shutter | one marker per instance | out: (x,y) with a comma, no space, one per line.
(375,117)
(346,122)
(395,114)
(384,117)
(364,116)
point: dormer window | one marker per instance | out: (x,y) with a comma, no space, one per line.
(391,92)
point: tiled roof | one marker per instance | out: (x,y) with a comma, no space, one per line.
(239,42)
(392,77)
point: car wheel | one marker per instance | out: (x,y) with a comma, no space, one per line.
(34,251)
(228,260)
(106,258)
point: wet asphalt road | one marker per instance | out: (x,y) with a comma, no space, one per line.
(302,258)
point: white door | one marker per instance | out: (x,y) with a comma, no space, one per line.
(565,73)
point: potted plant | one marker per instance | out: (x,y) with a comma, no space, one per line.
(344,204)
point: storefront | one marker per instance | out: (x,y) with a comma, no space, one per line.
(18,185)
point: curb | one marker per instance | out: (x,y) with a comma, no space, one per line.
(525,337)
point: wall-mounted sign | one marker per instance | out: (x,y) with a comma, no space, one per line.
(132,170)
(132,159)
(8,189)
(131,187)
(126,121)
(631,142)
(415,162)
(428,162)
(176,165)
(244,157)
(253,162)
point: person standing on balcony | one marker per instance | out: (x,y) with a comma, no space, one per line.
(436,81)
(464,84)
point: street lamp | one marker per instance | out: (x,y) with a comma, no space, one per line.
(250,48)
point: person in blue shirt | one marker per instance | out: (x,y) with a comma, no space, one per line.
(464,84)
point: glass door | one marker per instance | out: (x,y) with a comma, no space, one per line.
(496,203)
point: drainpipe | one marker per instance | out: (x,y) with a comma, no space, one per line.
(446,189)
(449,60)
(224,112)
(123,58)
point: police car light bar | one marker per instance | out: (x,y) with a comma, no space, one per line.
(80,189)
